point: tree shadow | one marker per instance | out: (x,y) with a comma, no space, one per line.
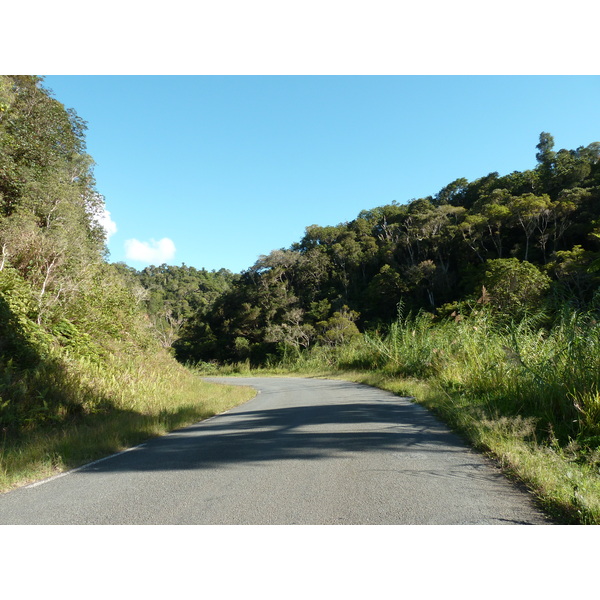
(311,432)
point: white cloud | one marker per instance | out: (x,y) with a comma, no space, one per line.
(104,219)
(151,252)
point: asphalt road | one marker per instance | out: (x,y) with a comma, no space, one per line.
(303,451)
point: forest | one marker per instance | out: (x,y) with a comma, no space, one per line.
(521,243)
(481,301)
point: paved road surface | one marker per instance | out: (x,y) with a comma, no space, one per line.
(303,451)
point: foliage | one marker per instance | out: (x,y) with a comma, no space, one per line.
(531,239)
(340,328)
(170,295)
(514,287)
(69,321)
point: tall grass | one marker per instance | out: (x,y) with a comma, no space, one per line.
(519,368)
(107,406)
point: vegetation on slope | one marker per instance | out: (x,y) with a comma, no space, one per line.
(170,295)
(81,372)
(520,242)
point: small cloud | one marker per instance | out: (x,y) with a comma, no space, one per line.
(101,217)
(107,223)
(151,252)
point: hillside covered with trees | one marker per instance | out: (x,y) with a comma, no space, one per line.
(59,298)
(521,242)
(171,295)
(83,368)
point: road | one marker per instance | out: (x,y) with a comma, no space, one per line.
(303,451)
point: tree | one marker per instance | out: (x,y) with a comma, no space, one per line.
(532,213)
(292,332)
(574,273)
(453,193)
(473,229)
(545,155)
(385,292)
(47,195)
(339,328)
(515,286)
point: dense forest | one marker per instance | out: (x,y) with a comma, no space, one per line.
(171,295)
(520,243)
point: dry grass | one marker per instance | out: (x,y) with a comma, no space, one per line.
(127,401)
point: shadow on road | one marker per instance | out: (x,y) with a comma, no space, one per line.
(310,432)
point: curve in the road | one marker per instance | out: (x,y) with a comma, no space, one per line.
(303,451)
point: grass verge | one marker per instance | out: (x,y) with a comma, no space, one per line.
(127,401)
(567,490)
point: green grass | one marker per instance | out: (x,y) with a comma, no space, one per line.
(123,402)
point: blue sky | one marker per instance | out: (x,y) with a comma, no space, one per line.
(214,171)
